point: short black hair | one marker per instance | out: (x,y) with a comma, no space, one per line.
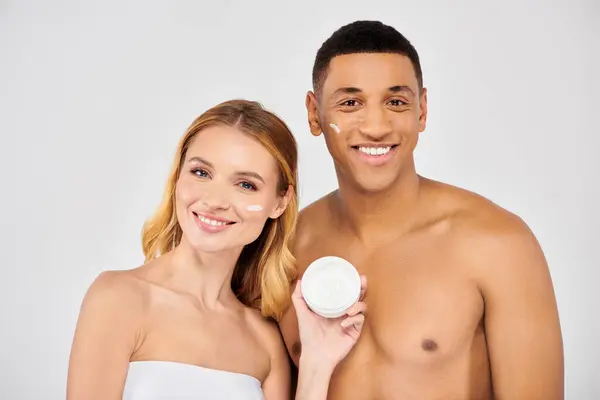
(363,37)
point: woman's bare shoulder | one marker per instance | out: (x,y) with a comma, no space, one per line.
(267,332)
(120,291)
(277,382)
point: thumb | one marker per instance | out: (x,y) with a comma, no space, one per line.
(297,294)
(297,298)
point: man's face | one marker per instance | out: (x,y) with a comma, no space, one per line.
(371,113)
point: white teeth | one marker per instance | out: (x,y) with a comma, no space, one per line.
(211,221)
(375,151)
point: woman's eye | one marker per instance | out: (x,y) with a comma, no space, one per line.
(200,173)
(247,186)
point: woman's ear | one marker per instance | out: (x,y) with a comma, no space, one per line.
(282,203)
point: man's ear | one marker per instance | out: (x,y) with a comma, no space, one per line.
(423,110)
(313,114)
(283,203)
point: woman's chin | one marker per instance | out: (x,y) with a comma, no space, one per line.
(207,246)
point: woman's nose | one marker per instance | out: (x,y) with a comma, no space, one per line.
(217,198)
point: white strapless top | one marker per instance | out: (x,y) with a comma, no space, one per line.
(154,380)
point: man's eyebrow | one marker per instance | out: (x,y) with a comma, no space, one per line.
(355,90)
(401,89)
(248,174)
(347,90)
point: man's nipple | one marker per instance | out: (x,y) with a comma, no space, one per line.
(429,345)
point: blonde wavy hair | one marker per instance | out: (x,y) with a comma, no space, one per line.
(266,267)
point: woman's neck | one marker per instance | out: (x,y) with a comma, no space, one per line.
(206,276)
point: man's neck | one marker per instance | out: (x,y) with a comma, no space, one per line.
(376,217)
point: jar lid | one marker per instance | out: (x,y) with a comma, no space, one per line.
(330,285)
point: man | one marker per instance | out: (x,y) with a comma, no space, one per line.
(460,300)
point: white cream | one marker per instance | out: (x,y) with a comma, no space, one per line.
(254,207)
(330,285)
(335,128)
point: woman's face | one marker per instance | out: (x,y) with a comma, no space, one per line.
(227,190)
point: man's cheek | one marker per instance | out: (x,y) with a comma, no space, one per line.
(344,126)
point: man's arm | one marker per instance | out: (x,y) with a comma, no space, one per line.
(521,317)
(300,247)
(289,331)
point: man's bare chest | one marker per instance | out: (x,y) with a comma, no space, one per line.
(422,303)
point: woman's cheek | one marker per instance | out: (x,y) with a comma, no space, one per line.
(254,208)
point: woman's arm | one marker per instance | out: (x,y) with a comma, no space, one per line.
(105,338)
(277,384)
(313,379)
(325,342)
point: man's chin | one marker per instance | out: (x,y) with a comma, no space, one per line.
(375,185)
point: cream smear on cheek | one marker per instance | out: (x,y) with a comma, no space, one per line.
(353,123)
(254,207)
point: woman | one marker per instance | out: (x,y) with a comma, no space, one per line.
(186,323)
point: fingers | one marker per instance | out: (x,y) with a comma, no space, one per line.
(297,294)
(363,286)
(355,321)
(356,316)
(357,308)
(297,299)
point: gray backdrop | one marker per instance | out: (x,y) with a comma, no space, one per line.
(95,95)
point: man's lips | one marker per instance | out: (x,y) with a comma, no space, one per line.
(375,155)
(372,149)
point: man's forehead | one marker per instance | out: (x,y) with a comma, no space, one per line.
(369,70)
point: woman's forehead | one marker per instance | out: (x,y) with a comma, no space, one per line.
(226,147)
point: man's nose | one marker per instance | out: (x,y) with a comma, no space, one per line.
(375,124)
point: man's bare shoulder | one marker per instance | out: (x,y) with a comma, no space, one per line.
(487,233)
(470,213)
